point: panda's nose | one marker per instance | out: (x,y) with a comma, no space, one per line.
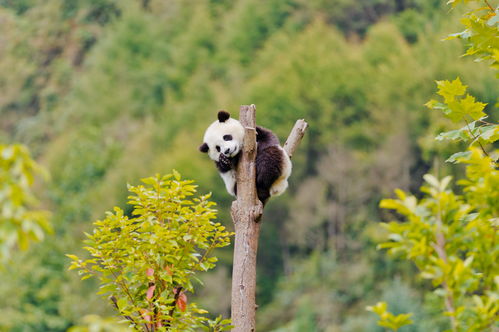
(227,151)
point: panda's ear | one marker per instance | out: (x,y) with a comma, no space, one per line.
(223,116)
(204,148)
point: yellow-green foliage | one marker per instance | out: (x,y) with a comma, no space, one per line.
(460,106)
(146,263)
(109,91)
(482,28)
(20,223)
(482,40)
(453,238)
(389,320)
(95,323)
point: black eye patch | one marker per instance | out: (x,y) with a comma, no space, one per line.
(218,148)
(227,137)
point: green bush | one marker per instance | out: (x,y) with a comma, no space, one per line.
(147,263)
(20,222)
(451,237)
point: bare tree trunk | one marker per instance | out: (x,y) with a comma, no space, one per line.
(246,213)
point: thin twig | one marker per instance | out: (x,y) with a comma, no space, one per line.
(206,253)
(115,302)
(126,290)
(488,123)
(177,292)
(488,5)
(475,138)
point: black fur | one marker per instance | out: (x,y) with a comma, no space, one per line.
(265,138)
(204,148)
(268,169)
(223,116)
(269,161)
(224,163)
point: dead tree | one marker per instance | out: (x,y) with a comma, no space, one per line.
(246,214)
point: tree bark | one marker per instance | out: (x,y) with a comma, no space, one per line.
(246,213)
(295,137)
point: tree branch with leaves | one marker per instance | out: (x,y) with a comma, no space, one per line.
(453,237)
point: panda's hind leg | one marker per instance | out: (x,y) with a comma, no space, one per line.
(279,187)
(281,184)
(268,170)
(263,194)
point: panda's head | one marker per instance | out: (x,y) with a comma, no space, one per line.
(223,136)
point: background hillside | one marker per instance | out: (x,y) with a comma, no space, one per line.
(106,92)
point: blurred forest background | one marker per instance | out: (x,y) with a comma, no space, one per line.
(105,92)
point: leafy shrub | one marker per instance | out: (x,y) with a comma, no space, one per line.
(20,224)
(147,263)
(452,238)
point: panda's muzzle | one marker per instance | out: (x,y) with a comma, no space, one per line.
(227,152)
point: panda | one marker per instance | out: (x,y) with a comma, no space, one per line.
(223,142)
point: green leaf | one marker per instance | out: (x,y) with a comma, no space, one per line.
(494,20)
(387,319)
(472,108)
(461,134)
(489,134)
(432,180)
(454,158)
(435,105)
(176,175)
(450,90)
(379,308)
(122,303)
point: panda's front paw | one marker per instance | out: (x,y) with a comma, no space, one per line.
(224,164)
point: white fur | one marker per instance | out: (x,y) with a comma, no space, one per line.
(229,178)
(281,184)
(214,136)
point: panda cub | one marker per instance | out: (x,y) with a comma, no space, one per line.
(223,142)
